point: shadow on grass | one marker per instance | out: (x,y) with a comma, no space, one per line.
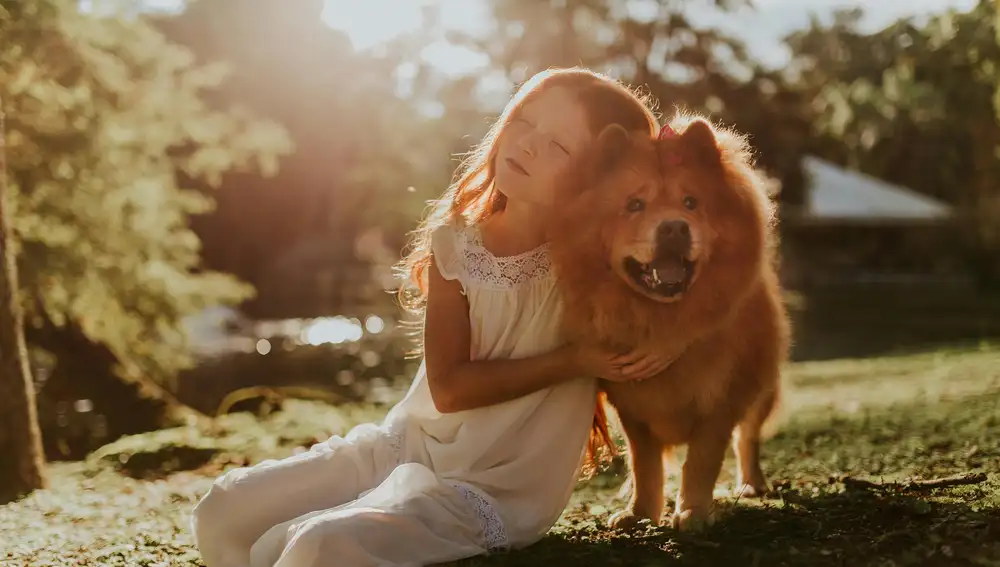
(844,528)
(814,521)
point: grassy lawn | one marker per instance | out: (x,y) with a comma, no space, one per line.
(885,420)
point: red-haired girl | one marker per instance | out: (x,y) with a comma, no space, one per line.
(484,451)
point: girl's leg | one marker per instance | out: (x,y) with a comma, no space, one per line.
(246,502)
(412,519)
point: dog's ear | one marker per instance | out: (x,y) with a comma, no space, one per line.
(612,143)
(698,141)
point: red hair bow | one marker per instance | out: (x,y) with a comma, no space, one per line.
(667,132)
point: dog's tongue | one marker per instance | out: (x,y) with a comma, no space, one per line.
(669,270)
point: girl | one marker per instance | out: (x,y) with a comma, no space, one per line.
(483,452)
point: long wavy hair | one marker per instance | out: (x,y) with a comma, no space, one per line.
(473,197)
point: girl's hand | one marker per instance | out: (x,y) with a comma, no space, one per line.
(640,364)
(637,364)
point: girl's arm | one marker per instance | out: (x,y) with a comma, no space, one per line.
(458,383)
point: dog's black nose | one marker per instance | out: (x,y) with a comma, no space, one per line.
(674,236)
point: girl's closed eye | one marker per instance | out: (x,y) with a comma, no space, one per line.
(554,144)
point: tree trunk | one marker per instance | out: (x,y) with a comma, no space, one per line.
(22,468)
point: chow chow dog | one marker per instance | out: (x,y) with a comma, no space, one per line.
(666,242)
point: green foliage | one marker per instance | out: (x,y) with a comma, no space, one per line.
(361,144)
(104,112)
(915,104)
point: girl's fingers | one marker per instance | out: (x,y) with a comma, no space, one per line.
(646,368)
(627,358)
(641,368)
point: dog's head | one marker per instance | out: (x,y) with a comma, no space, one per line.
(657,211)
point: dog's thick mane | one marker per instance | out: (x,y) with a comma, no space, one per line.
(738,261)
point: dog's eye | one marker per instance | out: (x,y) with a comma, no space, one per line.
(635,205)
(690,203)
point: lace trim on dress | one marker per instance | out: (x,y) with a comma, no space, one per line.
(502,272)
(489,520)
(493,528)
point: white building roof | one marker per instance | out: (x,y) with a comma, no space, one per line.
(837,194)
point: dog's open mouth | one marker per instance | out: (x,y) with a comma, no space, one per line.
(665,277)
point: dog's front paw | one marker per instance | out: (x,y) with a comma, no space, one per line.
(625,520)
(692,519)
(753,490)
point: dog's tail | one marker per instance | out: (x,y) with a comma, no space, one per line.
(600,447)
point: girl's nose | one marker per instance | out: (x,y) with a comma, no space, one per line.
(527,144)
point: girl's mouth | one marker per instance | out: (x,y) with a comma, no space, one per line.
(512,163)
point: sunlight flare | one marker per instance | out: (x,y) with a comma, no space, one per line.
(371,23)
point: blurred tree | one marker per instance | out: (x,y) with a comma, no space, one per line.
(360,139)
(23,469)
(914,104)
(656,48)
(102,114)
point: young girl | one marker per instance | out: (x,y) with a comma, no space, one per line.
(483,452)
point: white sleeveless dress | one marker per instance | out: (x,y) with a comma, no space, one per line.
(423,487)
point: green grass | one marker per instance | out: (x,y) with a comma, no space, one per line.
(921,416)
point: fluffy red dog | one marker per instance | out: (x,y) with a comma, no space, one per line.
(665,242)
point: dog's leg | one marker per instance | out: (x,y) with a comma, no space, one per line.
(669,463)
(646,472)
(751,481)
(695,501)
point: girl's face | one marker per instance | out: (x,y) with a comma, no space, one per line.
(538,143)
